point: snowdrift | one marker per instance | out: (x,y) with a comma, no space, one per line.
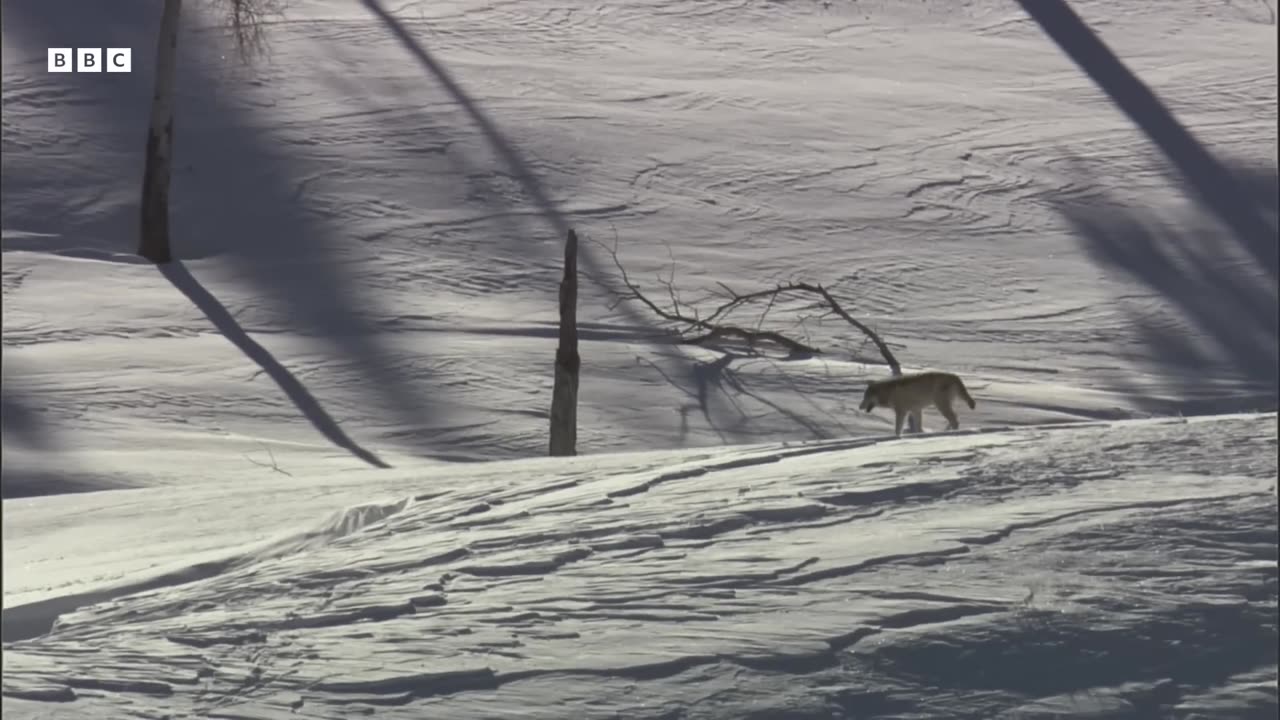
(1117,570)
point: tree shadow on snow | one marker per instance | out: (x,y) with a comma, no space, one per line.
(25,428)
(243,179)
(21,423)
(297,393)
(555,223)
(235,192)
(22,426)
(1222,314)
(1217,270)
(716,389)
(510,156)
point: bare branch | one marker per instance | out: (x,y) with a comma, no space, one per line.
(634,293)
(697,328)
(885,352)
(272,465)
(752,337)
(247,20)
(765,313)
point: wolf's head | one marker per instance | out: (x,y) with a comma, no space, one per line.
(869,399)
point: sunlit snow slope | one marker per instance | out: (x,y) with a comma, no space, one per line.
(1097,570)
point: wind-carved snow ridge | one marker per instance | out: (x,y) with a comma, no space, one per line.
(30,620)
(1127,568)
(341,524)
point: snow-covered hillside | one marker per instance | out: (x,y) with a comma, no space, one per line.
(1095,570)
(380,204)
(371,221)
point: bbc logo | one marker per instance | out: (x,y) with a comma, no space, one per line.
(91,59)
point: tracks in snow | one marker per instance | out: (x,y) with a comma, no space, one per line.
(768,562)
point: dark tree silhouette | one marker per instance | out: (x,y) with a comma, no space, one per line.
(564,398)
(245,18)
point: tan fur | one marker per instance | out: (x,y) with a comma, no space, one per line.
(911,394)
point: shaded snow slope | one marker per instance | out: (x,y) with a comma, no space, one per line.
(372,219)
(1095,570)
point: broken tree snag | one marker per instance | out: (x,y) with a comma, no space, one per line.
(247,20)
(564,396)
(153,241)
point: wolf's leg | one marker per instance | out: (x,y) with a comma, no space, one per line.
(944,407)
(918,417)
(898,417)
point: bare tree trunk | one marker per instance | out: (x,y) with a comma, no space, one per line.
(564,397)
(154,241)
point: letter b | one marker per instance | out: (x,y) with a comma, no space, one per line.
(88,59)
(59,59)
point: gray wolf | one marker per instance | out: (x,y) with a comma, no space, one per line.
(910,394)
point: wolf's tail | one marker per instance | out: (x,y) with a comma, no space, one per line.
(963,392)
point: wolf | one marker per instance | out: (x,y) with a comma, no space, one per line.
(910,394)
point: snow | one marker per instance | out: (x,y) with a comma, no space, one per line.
(961,573)
(298,474)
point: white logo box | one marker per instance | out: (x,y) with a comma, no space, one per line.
(90,60)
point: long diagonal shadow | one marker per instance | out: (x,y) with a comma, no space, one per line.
(1194,267)
(288,248)
(177,274)
(508,153)
(1216,187)
(20,421)
(520,169)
